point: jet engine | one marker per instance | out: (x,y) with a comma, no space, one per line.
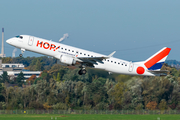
(67,60)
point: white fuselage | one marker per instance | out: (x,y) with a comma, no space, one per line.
(55,50)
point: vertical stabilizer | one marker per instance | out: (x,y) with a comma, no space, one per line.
(156,61)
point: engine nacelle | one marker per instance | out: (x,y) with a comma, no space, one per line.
(67,60)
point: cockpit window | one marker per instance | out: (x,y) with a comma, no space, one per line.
(19,36)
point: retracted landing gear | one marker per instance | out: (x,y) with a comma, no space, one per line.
(22,51)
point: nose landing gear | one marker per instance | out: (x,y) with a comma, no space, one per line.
(22,51)
(20,55)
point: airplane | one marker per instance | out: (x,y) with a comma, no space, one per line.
(68,55)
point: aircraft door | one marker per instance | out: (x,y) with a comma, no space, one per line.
(131,65)
(30,42)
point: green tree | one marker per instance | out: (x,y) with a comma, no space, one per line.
(7,93)
(25,96)
(1,95)
(174,72)
(58,77)
(45,75)
(20,79)
(72,74)
(140,106)
(7,60)
(38,65)
(157,88)
(61,106)
(95,92)
(162,105)
(4,77)
(17,101)
(122,78)
(116,94)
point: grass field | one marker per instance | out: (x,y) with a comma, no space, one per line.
(88,117)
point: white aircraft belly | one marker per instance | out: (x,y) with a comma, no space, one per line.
(115,68)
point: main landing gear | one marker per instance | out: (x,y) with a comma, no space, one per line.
(22,51)
(82,71)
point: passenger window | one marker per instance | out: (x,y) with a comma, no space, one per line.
(91,56)
(68,50)
(111,61)
(76,51)
(88,55)
(84,54)
(72,50)
(80,53)
(65,49)
(114,62)
(108,60)
(62,48)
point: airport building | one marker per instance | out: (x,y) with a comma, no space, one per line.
(13,70)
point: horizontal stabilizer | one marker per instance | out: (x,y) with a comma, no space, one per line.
(161,72)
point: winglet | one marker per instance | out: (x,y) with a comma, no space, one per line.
(111,54)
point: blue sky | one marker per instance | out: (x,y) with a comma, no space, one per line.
(136,29)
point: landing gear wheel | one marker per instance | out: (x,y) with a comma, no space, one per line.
(81,72)
(20,55)
(84,71)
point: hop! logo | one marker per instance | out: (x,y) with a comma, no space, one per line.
(46,45)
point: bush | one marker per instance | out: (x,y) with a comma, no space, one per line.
(61,106)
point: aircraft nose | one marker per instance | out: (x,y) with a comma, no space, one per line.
(9,41)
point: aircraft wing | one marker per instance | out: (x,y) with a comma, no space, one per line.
(94,60)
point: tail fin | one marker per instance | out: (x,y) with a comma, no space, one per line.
(156,61)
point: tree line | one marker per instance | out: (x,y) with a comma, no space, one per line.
(60,87)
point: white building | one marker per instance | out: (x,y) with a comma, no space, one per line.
(13,70)
(27,74)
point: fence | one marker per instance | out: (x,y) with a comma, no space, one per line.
(142,112)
